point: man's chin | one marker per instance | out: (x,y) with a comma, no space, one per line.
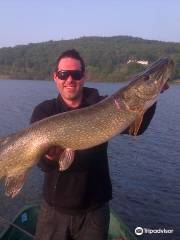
(72,96)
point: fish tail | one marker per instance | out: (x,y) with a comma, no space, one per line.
(15,169)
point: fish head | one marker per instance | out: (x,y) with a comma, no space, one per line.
(142,92)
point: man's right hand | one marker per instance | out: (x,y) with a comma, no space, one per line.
(53,153)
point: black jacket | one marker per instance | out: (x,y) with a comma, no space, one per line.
(86,184)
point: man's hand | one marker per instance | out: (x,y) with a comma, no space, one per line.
(165,87)
(53,153)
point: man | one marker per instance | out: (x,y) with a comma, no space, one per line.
(75,200)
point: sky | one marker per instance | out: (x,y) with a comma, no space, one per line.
(33,21)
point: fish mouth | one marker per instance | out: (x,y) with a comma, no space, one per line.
(159,72)
(164,75)
(151,82)
(157,68)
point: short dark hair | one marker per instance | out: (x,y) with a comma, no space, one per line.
(72,53)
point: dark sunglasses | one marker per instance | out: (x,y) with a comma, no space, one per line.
(75,74)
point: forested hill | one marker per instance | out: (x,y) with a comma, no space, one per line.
(106,57)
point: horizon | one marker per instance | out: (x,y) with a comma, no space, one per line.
(80,37)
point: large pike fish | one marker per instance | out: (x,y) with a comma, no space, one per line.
(83,128)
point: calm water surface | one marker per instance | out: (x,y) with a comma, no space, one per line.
(145,170)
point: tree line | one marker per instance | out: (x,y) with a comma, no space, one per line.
(106,58)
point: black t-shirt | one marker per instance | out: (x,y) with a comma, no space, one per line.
(86,183)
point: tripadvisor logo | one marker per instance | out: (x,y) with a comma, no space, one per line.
(139,231)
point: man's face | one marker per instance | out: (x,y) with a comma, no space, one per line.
(70,89)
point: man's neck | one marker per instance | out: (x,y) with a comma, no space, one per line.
(74,103)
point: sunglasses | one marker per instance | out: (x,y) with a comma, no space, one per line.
(75,74)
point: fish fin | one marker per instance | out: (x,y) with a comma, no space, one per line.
(66,159)
(134,128)
(14,184)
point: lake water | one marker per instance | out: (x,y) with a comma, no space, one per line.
(145,170)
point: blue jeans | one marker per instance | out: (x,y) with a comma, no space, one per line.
(92,225)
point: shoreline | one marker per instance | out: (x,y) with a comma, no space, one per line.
(94,81)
